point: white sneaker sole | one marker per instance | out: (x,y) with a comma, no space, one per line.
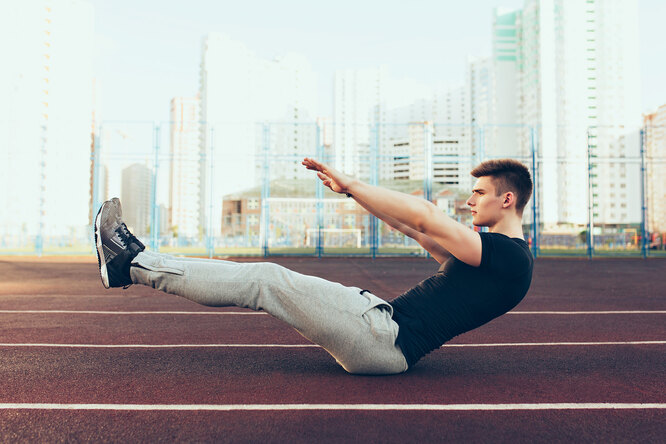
(100,250)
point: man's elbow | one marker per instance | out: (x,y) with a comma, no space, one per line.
(426,216)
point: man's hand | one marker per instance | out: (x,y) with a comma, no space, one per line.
(330,177)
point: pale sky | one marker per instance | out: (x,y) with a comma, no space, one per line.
(148,51)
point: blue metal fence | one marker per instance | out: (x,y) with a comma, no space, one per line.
(285,210)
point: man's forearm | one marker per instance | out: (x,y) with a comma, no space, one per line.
(392,222)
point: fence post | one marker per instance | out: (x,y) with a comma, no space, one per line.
(590,199)
(644,231)
(427,164)
(319,193)
(265,193)
(374,166)
(154,216)
(39,241)
(535,219)
(95,158)
(202,234)
(210,242)
(428,161)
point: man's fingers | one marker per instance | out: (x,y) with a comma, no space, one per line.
(308,162)
(312,164)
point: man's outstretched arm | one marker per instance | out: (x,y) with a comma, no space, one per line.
(417,214)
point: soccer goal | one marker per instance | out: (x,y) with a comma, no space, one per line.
(335,237)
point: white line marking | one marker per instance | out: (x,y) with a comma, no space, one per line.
(162,345)
(284,407)
(244,313)
(500,344)
(132,312)
(611,312)
(533,344)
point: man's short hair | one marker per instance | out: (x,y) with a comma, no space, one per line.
(508,175)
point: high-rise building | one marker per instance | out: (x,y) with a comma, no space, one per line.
(362,99)
(239,93)
(577,80)
(185,168)
(494,92)
(452,142)
(45,117)
(135,197)
(433,128)
(359,103)
(655,153)
(502,137)
(422,149)
(495,96)
(479,82)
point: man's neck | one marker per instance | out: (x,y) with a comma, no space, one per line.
(511,227)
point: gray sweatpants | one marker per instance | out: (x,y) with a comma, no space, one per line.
(356,329)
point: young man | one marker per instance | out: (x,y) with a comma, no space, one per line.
(483,275)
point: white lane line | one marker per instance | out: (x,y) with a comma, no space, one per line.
(161,345)
(286,407)
(545,344)
(245,313)
(611,312)
(98,312)
(65,295)
(500,344)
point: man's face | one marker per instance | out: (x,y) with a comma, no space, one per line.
(486,206)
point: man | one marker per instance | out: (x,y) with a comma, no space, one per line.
(483,275)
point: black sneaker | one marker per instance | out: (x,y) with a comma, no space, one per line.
(116,246)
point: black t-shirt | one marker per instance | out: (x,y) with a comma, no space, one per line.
(459,297)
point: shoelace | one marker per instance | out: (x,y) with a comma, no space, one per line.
(126,237)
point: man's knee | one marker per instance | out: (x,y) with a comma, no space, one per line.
(270,272)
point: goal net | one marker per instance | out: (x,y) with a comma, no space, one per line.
(334,237)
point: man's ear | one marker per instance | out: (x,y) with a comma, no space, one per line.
(509,199)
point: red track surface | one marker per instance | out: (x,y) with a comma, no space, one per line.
(222,375)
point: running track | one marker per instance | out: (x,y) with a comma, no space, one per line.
(582,358)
